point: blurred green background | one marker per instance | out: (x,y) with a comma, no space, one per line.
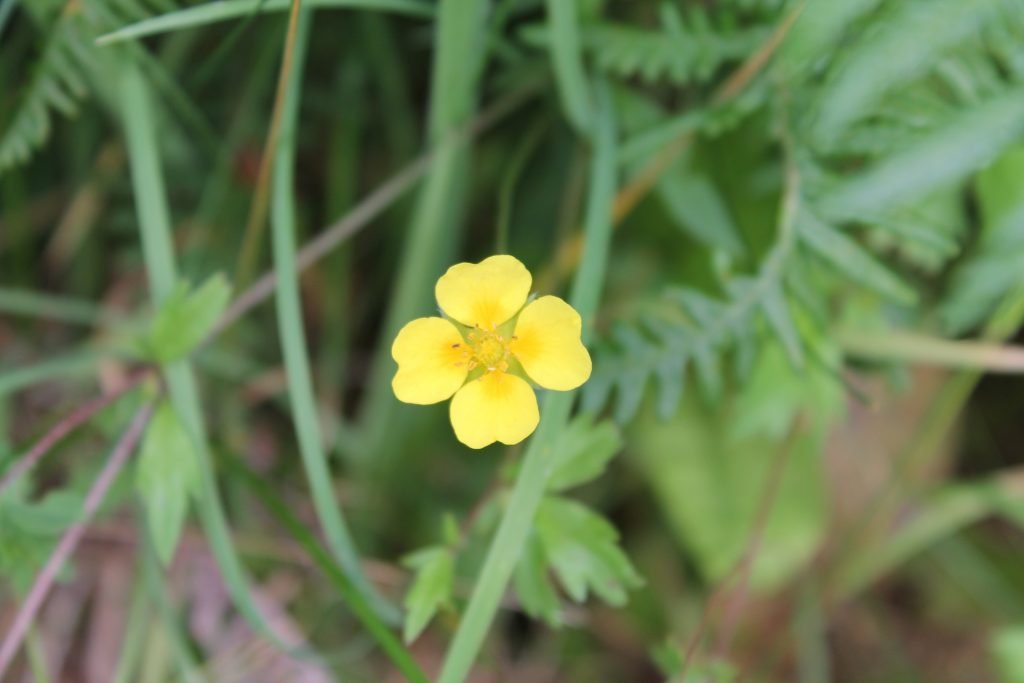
(797,458)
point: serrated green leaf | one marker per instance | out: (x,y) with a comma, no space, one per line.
(536,594)
(582,452)
(185,318)
(431,588)
(166,476)
(583,549)
(851,259)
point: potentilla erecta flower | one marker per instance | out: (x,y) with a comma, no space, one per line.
(486,351)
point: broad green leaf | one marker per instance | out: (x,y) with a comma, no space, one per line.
(851,259)
(166,476)
(185,318)
(1007,649)
(582,452)
(533,586)
(49,516)
(29,530)
(431,588)
(583,549)
(776,393)
(708,484)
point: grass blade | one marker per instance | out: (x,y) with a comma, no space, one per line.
(388,642)
(212,12)
(293,338)
(158,250)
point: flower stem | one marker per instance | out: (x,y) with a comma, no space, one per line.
(507,546)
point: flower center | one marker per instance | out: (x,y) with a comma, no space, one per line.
(489,350)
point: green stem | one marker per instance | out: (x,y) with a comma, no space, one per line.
(36,656)
(27,303)
(458,61)
(922,349)
(293,338)
(188,670)
(362,609)
(506,192)
(134,632)
(158,252)
(507,546)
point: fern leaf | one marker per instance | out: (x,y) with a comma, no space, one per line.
(890,58)
(683,53)
(57,83)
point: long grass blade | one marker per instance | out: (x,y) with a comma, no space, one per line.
(338,577)
(293,338)
(222,10)
(158,250)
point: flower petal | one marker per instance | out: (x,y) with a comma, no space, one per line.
(496,407)
(547,343)
(486,293)
(431,361)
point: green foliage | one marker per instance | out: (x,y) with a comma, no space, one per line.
(431,587)
(582,549)
(69,68)
(709,471)
(166,478)
(184,319)
(982,280)
(860,175)
(31,529)
(569,539)
(534,588)
(686,48)
(582,452)
(1007,648)
(892,151)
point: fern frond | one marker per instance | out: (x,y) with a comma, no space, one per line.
(685,50)
(58,83)
(62,77)
(687,328)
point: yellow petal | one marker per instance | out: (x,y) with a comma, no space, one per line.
(431,361)
(495,407)
(547,343)
(486,293)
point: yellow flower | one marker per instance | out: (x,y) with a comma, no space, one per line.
(486,349)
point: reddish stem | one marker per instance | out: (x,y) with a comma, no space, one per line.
(65,426)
